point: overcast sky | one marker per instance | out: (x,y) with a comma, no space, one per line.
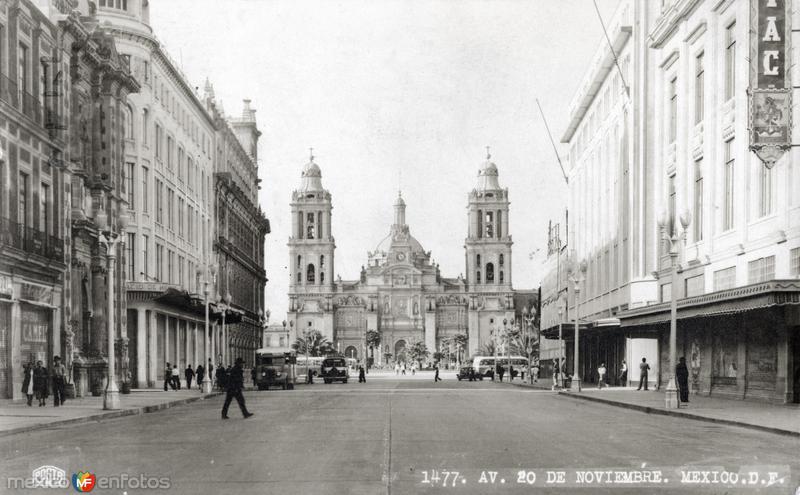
(395,94)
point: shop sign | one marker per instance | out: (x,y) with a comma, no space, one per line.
(770,96)
(36,293)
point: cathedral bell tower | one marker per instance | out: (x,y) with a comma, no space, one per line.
(311,249)
(488,244)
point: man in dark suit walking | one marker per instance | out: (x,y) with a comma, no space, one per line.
(643,369)
(234,383)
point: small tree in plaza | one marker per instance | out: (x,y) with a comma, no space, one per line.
(460,341)
(373,342)
(417,351)
(315,343)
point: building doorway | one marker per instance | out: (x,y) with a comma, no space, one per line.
(400,351)
(351,352)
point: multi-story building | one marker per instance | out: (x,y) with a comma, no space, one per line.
(705,155)
(400,292)
(241,231)
(61,93)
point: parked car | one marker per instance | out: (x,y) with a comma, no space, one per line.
(463,373)
(333,369)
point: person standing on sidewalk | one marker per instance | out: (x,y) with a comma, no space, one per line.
(40,379)
(220,376)
(362,377)
(682,376)
(556,371)
(59,381)
(535,372)
(601,375)
(27,382)
(233,390)
(176,378)
(167,377)
(201,374)
(436,374)
(189,375)
(396,368)
(643,369)
(623,373)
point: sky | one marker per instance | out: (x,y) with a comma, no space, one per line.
(396,94)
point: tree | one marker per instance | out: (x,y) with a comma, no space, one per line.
(417,351)
(438,356)
(373,341)
(487,349)
(460,340)
(318,345)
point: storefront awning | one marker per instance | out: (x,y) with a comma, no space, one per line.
(741,299)
(182,300)
(567,330)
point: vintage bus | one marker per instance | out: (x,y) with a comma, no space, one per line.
(486,365)
(275,367)
(306,364)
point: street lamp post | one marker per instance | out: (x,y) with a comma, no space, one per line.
(674,239)
(507,346)
(110,240)
(528,319)
(577,279)
(225,305)
(208,273)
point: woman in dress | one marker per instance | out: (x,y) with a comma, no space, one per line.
(27,382)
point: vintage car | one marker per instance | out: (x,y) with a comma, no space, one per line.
(463,373)
(333,369)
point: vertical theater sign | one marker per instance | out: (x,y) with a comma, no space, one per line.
(770,94)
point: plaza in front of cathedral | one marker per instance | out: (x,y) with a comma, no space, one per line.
(400,293)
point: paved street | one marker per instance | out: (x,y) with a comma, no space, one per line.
(380,437)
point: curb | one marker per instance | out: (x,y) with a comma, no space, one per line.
(134,411)
(681,414)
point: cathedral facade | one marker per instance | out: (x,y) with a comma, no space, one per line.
(400,292)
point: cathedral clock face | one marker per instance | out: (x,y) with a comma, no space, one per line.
(401,256)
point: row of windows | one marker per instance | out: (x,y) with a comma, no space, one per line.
(179,215)
(310,224)
(311,271)
(25,195)
(490,274)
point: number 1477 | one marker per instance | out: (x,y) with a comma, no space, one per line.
(443,478)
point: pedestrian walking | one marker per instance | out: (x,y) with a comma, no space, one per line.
(682,376)
(362,378)
(168,377)
(500,372)
(413,368)
(623,373)
(643,369)
(535,373)
(27,382)
(189,375)
(176,378)
(396,368)
(511,373)
(436,373)
(403,368)
(40,379)
(556,372)
(220,376)
(601,375)
(253,375)
(59,381)
(210,372)
(201,374)
(234,383)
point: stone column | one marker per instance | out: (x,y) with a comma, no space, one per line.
(152,351)
(15,380)
(195,359)
(166,341)
(186,338)
(783,382)
(141,348)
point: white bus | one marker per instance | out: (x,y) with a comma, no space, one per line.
(308,363)
(486,365)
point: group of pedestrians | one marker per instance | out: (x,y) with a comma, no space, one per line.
(400,368)
(38,381)
(172,376)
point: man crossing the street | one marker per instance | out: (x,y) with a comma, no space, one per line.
(234,383)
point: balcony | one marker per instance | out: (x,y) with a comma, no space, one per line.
(30,240)
(23,101)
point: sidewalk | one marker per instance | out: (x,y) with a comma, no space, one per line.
(775,418)
(17,417)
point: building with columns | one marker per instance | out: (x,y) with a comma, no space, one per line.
(400,292)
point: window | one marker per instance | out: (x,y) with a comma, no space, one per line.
(727,219)
(699,77)
(146,256)
(761,270)
(44,209)
(698,200)
(489,229)
(695,286)
(180,164)
(129,185)
(22,71)
(478,277)
(159,201)
(170,266)
(22,193)
(145,195)
(180,270)
(310,226)
(478,260)
(180,217)
(501,276)
(502,259)
(489,273)
(128,123)
(145,124)
(159,262)
(310,278)
(322,269)
(499,224)
(725,279)
(480,224)
(130,255)
(673,109)
(170,208)
(765,190)
(159,144)
(794,262)
(730,61)
(666,292)
(189,222)
(169,152)
(115,4)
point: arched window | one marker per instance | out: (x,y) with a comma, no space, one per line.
(478,260)
(127,122)
(322,268)
(501,276)
(501,260)
(478,277)
(489,229)
(310,275)
(310,226)
(299,261)
(489,273)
